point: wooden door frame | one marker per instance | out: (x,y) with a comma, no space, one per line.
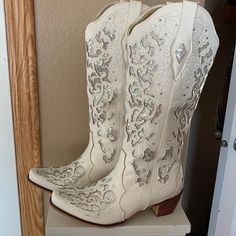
(24,92)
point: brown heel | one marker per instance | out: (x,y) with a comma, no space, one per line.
(166,207)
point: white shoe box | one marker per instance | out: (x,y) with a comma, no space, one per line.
(143,224)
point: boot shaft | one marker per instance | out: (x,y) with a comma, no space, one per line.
(105,55)
(105,79)
(167,69)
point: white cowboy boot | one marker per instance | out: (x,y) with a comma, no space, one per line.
(105,75)
(169,56)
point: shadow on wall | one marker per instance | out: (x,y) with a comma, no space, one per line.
(203,148)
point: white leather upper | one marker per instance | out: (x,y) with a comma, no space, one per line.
(159,105)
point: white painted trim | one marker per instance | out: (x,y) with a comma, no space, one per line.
(9,200)
(144,223)
(224,202)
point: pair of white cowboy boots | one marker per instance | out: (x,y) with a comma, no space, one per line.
(146,68)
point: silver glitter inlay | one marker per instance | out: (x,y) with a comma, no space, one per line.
(180,53)
(143,175)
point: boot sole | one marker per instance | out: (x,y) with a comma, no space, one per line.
(164,208)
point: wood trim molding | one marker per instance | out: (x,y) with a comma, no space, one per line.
(24,92)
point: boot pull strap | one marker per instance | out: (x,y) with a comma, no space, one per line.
(105,8)
(148,12)
(182,45)
(102,11)
(135,9)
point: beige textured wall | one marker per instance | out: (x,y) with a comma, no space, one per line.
(60,26)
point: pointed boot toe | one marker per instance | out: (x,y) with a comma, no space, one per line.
(94,204)
(37,178)
(54,177)
(105,86)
